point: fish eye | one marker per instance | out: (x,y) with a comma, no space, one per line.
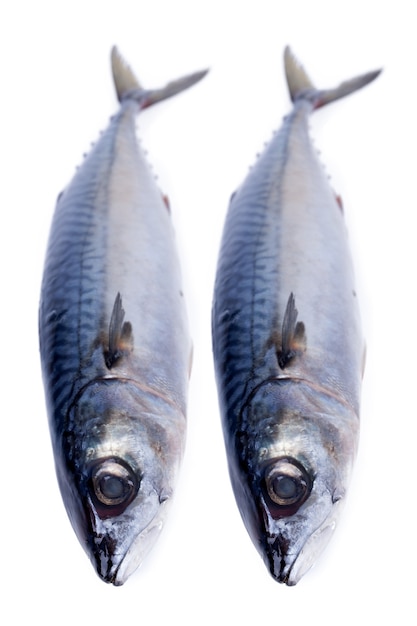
(287,483)
(113,484)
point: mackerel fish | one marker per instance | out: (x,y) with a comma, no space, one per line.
(287,342)
(114,342)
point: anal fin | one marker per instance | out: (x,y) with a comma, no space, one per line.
(120,335)
(293,336)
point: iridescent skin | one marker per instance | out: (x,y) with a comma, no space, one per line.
(115,349)
(289,391)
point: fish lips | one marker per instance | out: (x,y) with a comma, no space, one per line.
(289,548)
(114,550)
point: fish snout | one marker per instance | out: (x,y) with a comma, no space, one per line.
(117,552)
(288,561)
(105,559)
(279,559)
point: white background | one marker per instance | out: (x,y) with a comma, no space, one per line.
(56,95)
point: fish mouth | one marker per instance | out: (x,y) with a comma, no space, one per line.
(116,559)
(279,561)
(137,552)
(288,566)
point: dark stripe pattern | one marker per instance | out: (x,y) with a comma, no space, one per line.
(245,308)
(71,307)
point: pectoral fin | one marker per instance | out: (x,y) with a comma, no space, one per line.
(293,341)
(120,335)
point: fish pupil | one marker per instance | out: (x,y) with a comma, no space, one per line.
(112,487)
(285,487)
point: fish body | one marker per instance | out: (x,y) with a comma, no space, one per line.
(287,343)
(114,342)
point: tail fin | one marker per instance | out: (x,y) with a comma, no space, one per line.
(129,88)
(301,87)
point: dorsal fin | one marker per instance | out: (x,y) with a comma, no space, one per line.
(120,335)
(293,342)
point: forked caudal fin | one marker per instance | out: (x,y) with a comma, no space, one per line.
(301,87)
(129,88)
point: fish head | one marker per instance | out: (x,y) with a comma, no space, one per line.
(291,471)
(122,451)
